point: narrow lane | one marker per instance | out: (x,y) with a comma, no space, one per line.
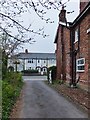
(41,101)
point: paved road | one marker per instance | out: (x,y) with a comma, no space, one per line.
(41,101)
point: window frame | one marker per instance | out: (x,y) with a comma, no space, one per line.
(29,61)
(78,65)
(44,61)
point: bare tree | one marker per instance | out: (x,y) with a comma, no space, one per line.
(11,24)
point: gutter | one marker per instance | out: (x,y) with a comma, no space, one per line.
(81,15)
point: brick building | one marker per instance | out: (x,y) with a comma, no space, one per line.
(73,47)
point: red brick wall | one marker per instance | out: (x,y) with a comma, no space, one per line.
(58,54)
(83,4)
(67,52)
(83,53)
(63,65)
(89,58)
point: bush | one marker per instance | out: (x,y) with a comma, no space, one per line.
(13,78)
(58,82)
(11,87)
(30,71)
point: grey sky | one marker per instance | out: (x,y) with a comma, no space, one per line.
(47,44)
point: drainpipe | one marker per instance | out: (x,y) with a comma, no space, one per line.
(74,67)
(71,55)
(74,52)
(73,60)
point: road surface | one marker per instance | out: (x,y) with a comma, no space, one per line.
(41,101)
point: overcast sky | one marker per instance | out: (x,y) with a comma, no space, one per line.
(44,45)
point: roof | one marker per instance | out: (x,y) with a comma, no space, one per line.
(36,56)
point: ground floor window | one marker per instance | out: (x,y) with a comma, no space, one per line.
(80,65)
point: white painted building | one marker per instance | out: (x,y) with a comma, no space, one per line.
(40,61)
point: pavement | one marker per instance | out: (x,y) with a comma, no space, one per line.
(38,100)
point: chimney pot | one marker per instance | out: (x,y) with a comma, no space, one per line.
(26,51)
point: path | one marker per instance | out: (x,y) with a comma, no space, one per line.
(40,101)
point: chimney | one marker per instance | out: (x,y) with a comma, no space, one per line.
(62,15)
(83,4)
(26,51)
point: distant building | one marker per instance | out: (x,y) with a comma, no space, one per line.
(39,61)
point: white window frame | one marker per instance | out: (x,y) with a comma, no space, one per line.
(77,65)
(44,61)
(88,30)
(76,35)
(29,61)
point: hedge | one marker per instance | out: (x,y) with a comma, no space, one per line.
(11,87)
(30,71)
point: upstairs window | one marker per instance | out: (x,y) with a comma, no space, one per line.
(29,61)
(80,65)
(76,35)
(32,60)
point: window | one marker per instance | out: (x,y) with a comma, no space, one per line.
(44,69)
(29,61)
(80,64)
(32,60)
(76,35)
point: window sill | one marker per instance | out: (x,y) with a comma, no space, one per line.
(80,71)
(75,41)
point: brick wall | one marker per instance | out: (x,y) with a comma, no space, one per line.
(63,54)
(58,54)
(83,4)
(83,53)
(66,40)
(89,58)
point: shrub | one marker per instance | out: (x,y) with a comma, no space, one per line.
(11,87)
(58,82)
(30,71)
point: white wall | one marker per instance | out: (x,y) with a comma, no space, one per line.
(24,63)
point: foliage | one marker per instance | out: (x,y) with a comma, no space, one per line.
(11,87)
(58,82)
(30,71)
(4,63)
(12,12)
